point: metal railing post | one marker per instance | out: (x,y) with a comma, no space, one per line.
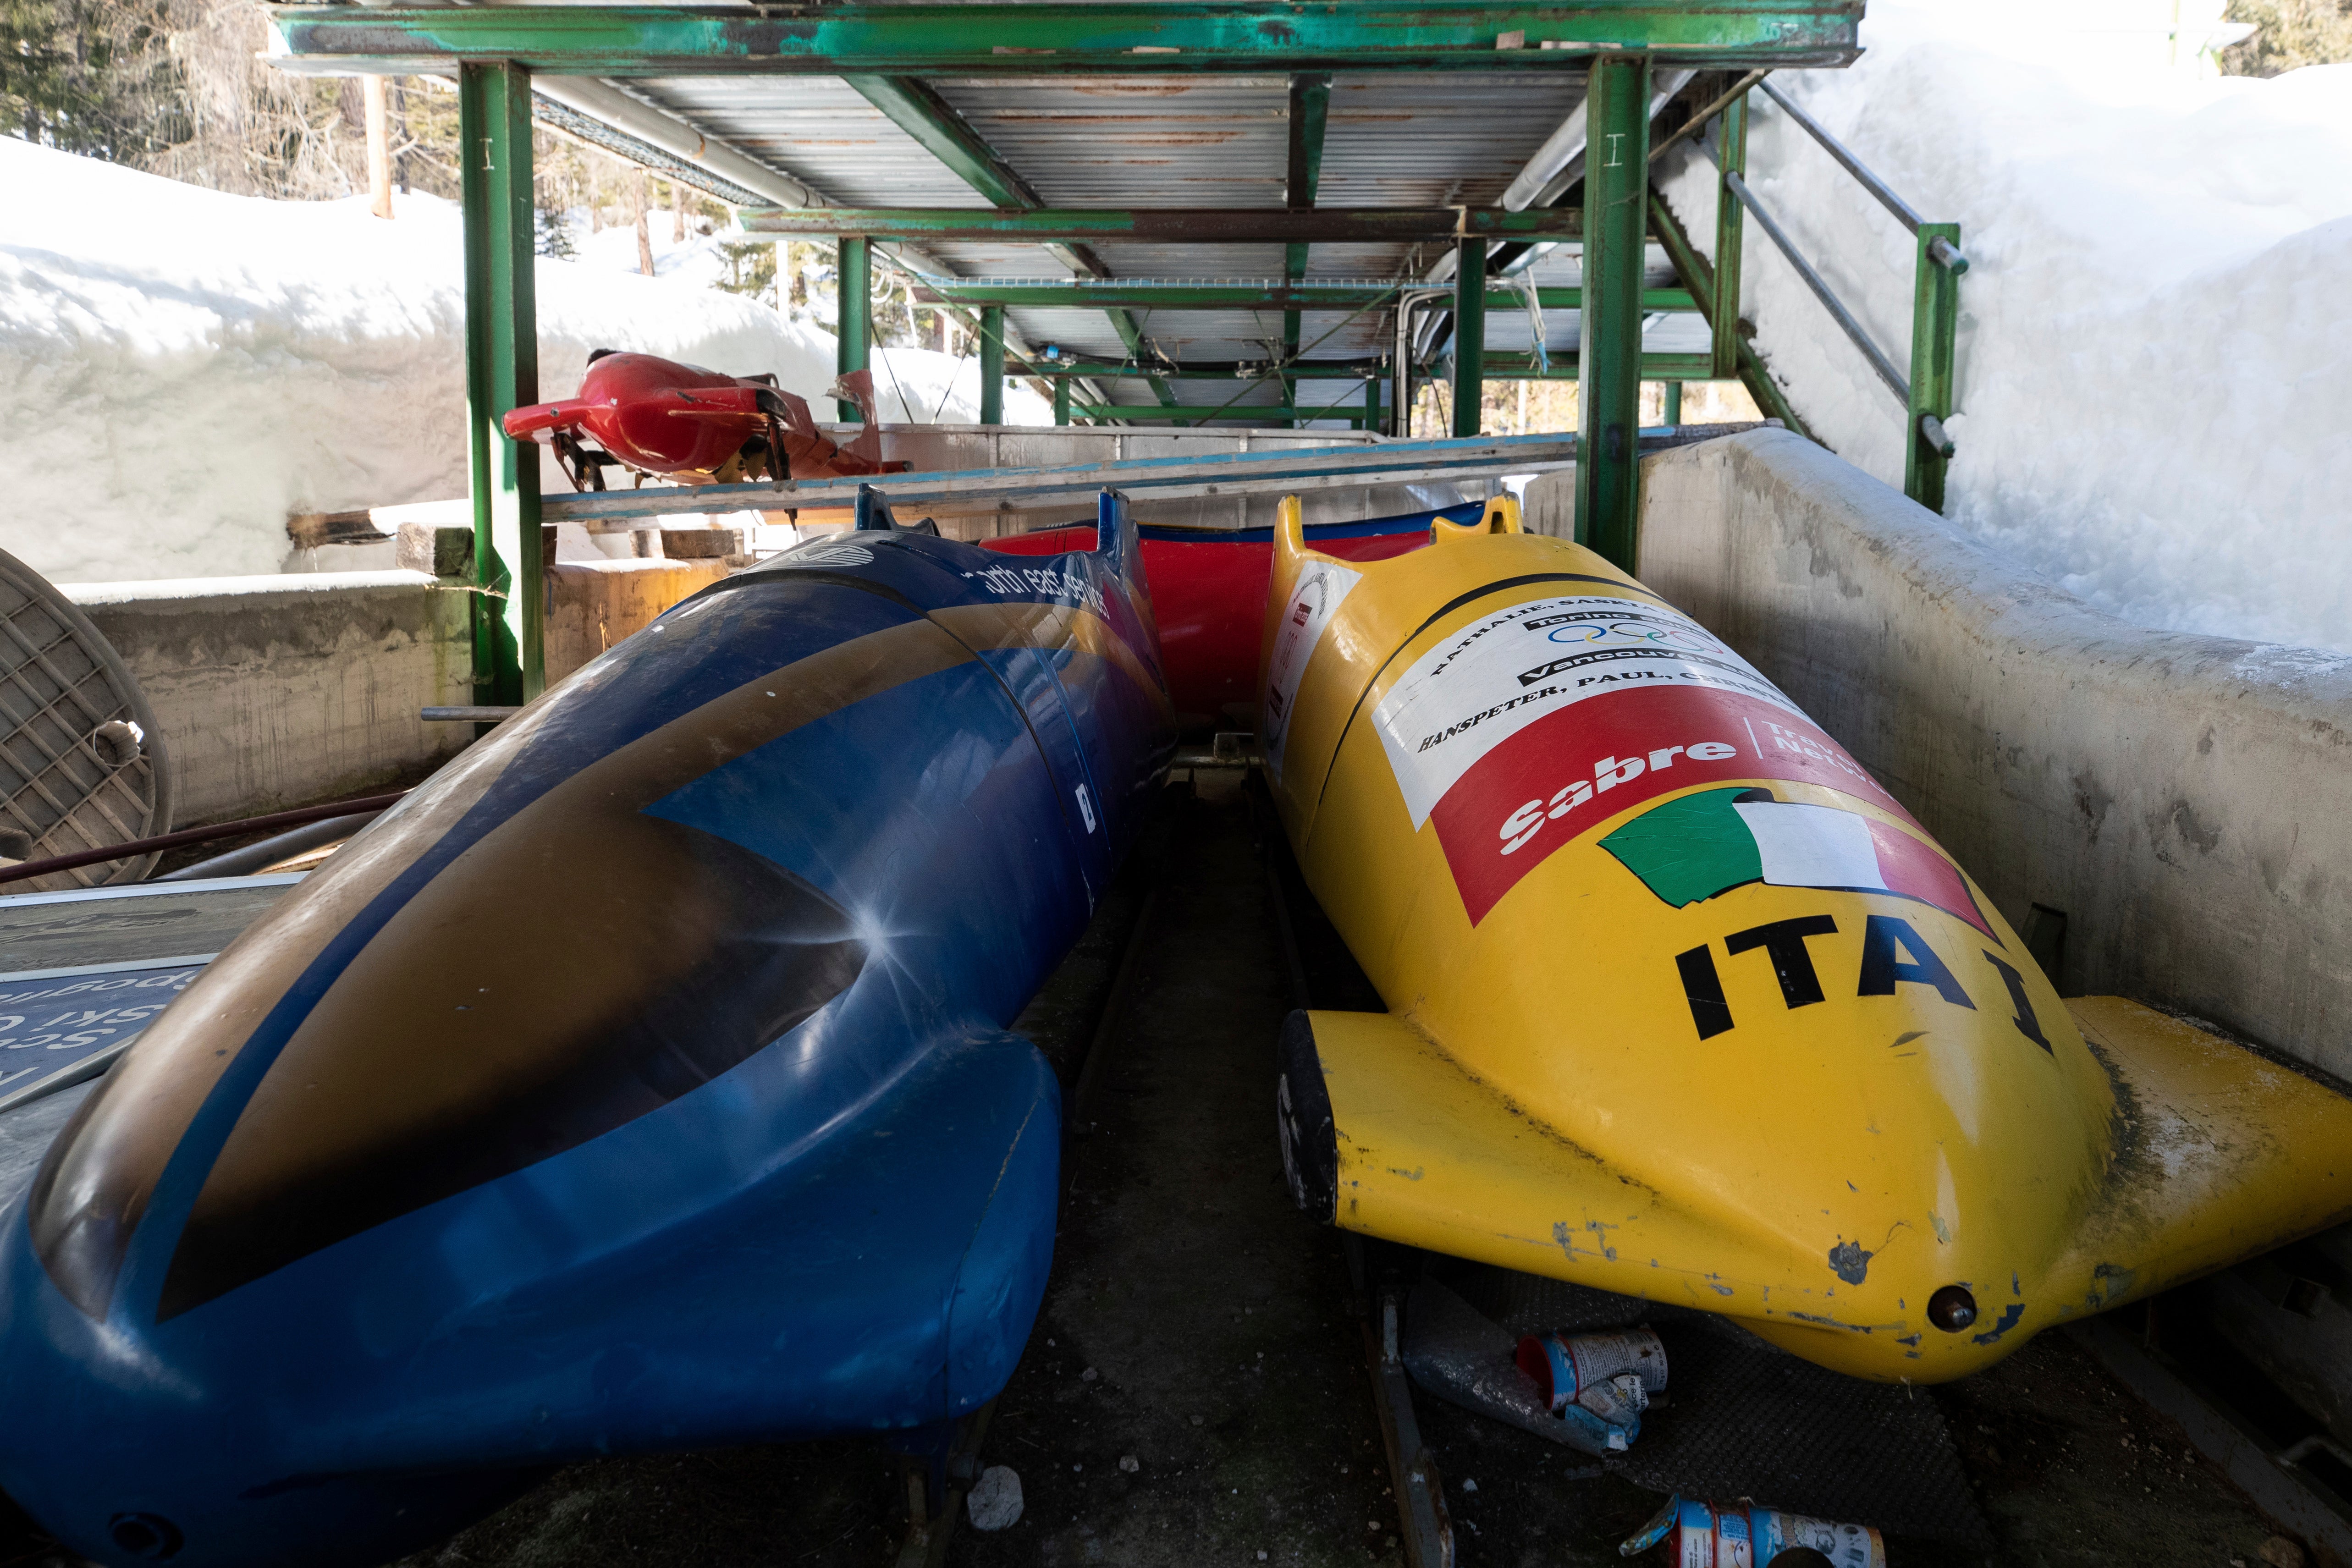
(1608,360)
(1935,329)
(1372,403)
(1730,233)
(1671,404)
(854,307)
(501,374)
(992,364)
(1469,334)
(1061,400)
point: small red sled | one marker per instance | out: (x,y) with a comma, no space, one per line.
(656,416)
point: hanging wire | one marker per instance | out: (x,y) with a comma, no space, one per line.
(1298,357)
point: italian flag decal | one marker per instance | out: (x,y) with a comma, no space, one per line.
(1697,846)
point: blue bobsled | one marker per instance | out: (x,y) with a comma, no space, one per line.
(640,1083)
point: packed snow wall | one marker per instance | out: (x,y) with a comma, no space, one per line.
(180,370)
(2155,342)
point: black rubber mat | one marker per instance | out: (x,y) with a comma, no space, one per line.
(1741,1418)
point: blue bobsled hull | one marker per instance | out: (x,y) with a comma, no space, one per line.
(640,1083)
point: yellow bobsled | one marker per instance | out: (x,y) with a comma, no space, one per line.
(1684,1005)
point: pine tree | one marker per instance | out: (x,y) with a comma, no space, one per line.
(95,77)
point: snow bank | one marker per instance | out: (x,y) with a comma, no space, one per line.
(180,369)
(2156,341)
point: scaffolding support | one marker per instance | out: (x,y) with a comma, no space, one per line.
(1935,332)
(1730,232)
(992,364)
(854,296)
(1616,183)
(1469,333)
(501,374)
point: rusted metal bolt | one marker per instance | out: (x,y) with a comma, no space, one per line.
(1952,1309)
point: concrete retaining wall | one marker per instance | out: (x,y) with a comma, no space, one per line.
(278,691)
(2186,801)
(591,605)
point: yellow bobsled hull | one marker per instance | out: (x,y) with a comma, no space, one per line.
(1684,1005)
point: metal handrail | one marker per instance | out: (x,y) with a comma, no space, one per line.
(1877,357)
(1941,250)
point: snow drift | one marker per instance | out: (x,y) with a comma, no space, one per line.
(2156,341)
(180,368)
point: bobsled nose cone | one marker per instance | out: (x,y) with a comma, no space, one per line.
(195,1299)
(432,1065)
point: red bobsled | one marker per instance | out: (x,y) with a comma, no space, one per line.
(1208,596)
(656,417)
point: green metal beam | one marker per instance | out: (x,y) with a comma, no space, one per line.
(1310,113)
(1731,237)
(992,364)
(1616,181)
(1935,332)
(1699,277)
(1469,333)
(1269,296)
(1067,37)
(1675,368)
(1130,332)
(916,108)
(502,374)
(854,313)
(1061,400)
(1164,226)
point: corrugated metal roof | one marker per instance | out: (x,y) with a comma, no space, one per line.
(1161,142)
(1439,139)
(819,130)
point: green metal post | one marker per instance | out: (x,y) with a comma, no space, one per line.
(1673,402)
(501,374)
(1469,333)
(1935,326)
(1616,233)
(1372,403)
(992,364)
(854,288)
(1731,228)
(1061,400)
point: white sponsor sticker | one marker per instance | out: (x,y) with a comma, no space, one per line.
(1504,671)
(1321,589)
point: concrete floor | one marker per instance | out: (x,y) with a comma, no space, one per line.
(1196,1390)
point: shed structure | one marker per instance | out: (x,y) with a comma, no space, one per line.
(1239,212)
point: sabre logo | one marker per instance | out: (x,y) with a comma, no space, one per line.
(1521,826)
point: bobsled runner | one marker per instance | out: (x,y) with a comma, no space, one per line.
(1683,1005)
(1208,589)
(656,416)
(640,1082)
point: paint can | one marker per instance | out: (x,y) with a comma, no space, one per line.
(1564,1365)
(1698,1535)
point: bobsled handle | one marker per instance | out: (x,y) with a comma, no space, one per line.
(525,423)
(1117,540)
(1500,516)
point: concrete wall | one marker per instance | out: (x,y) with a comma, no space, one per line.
(591,605)
(274,692)
(2185,800)
(277,691)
